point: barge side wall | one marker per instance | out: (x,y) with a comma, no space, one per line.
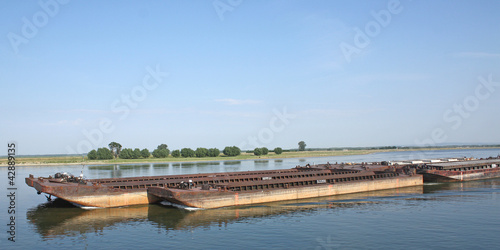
(97,196)
(246,198)
(455,176)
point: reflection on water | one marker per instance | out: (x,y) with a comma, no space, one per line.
(261,162)
(468,186)
(102,167)
(60,218)
(161,165)
(232,162)
(207,163)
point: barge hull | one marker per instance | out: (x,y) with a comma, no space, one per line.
(92,196)
(215,199)
(456,176)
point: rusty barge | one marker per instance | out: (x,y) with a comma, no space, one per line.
(280,185)
(213,190)
(463,170)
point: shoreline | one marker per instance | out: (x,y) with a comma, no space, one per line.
(76,160)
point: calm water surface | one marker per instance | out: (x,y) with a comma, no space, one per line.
(438,216)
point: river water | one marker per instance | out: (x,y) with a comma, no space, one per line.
(436,216)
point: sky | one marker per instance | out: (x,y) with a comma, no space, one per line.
(77,75)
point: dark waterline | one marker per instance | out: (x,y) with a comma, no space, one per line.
(459,215)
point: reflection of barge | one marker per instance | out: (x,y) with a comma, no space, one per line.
(460,170)
(246,187)
(297,183)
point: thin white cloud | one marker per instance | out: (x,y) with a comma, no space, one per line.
(229,101)
(477,55)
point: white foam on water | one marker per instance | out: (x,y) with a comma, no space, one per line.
(166,203)
(84,207)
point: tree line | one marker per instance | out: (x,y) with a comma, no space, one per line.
(265,151)
(115,150)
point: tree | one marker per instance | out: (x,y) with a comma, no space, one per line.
(231,151)
(201,152)
(213,152)
(257,151)
(187,152)
(104,154)
(126,153)
(136,154)
(92,155)
(176,153)
(115,148)
(264,150)
(161,153)
(278,150)
(302,146)
(145,153)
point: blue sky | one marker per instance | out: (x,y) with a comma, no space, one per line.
(248,73)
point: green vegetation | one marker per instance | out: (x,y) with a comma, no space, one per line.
(176,153)
(201,152)
(187,152)
(145,153)
(115,148)
(278,150)
(302,146)
(161,151)
(213,152)
(92,155)
(104,154)
(128,153)
(231,151)
(257,151)
(261,151)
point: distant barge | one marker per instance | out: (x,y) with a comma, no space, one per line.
(228,189)
(465,170)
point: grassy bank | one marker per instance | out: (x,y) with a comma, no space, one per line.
(74,160)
